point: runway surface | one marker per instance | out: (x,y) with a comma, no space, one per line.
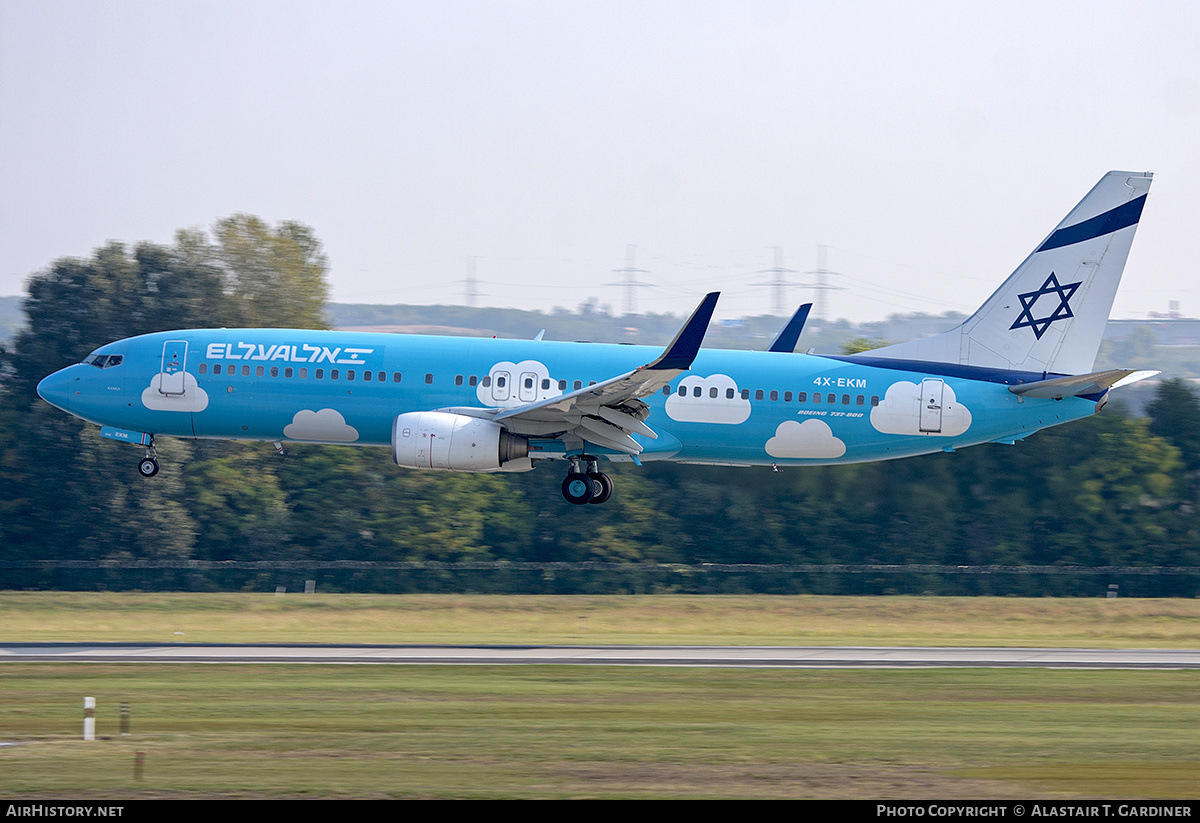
(719,656)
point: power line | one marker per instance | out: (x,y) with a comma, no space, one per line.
(631,284)
(778,283)
(822,286)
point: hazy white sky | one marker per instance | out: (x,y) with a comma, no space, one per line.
(929,145)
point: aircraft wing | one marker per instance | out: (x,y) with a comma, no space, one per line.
(1057,388)
(607,413)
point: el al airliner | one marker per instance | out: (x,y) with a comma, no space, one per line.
(1021,363)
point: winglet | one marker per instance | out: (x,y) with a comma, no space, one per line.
(786,339)
(682,351)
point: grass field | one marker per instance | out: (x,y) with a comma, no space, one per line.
(562,731)
(666,619)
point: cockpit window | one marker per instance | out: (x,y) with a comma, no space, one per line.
(103,361)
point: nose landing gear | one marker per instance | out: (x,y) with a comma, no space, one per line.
(582,487)
(148,467)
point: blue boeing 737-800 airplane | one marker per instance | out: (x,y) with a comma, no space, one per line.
(1021,363)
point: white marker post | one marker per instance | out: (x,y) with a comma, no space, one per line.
(89,718)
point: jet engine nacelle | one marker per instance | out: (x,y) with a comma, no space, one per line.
(457,443)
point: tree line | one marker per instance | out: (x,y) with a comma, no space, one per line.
(1113,490)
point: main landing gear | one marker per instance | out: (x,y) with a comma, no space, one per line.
(591,486)
(148,467)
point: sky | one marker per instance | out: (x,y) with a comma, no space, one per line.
(928,146)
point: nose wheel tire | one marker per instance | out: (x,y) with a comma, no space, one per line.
(148,467)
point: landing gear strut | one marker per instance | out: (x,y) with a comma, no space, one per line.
(148,467)
(590,486)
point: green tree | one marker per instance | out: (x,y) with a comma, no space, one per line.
(275,275)
(1175,416)
(65,492)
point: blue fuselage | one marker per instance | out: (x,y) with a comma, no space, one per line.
(731,407)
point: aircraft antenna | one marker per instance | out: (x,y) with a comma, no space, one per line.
(822,286)
(631,284)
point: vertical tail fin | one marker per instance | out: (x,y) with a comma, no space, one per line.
(1050,314)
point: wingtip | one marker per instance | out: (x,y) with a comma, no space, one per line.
(684,347)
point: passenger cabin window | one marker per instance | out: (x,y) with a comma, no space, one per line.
(729,394)
(333,374)
(258,371)
(428,379)
(395,377)
(319,374)
(801,397)
(366,375)
(204,368)
(217,368)
(758,395)
(245,370)
(349,374)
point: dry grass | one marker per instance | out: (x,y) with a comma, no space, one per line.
(661,619)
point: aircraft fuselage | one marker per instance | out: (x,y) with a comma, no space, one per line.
(731,407)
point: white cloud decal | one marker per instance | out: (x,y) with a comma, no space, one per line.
(326,425)
(688,408)
(193,399)
(515,384)
(811,438)
(900,412)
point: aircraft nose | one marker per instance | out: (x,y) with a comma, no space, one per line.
(56,389)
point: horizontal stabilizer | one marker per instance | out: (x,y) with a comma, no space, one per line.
(1079,385)
(786,339)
